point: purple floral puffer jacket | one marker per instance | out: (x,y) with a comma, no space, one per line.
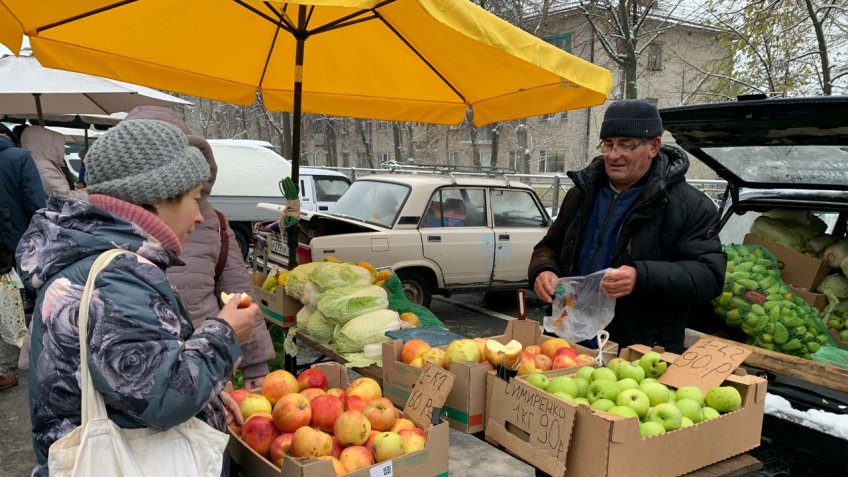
(151,366)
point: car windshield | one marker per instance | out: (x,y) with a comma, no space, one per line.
(805,164)
(374,202)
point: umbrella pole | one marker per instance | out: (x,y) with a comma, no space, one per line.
(300,35)
(38,108)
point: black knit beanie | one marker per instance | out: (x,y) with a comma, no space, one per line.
(632,118)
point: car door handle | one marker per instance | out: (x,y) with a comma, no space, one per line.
(503,237)
(434,238)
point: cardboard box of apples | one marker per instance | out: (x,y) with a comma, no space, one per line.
(471,360)
(318,425)
(644,414)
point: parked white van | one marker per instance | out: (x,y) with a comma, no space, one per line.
(249,172)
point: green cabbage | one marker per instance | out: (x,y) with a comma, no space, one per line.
(836,285)
(320,328)
(365,329)
(334,275)
(779,232)
(298,278)
(340,305)
(818,244)
(836,253)
(302,317)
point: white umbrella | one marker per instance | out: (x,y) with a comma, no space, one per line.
(27,88)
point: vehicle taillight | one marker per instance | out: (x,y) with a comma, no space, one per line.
(304,254)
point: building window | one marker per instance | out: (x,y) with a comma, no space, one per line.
(484,135)
(552,161)
(513,160)
(655,62)
(384,157)
(563,41)
(454,158)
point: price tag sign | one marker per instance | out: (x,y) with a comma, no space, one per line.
(383,469)
(431,390)
(705,364)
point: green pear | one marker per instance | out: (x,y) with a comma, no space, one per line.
(723,399)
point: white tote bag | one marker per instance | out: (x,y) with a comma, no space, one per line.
(12,320)
(99,447)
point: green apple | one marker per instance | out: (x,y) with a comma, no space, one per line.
(599,374)
(635,399)
(615,363)
(723,399)
(623,411)
(627,383)
(585,372)
(690,409)
(672,398)
(565,396)
(690,392)
(603,404)
(539,380)
(648,380)
(582,387)
(657,393)
(709,413)
(602,389)
(653,364)
(843,335)
(583,401)
(686,422)
(627,370)
(651,428)
(668,415)
(564,384)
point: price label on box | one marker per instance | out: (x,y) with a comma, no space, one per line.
(705,364)
(431,390)
(383,469)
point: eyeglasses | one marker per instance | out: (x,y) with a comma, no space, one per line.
(606,147)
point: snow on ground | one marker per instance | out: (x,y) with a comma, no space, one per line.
(826,422)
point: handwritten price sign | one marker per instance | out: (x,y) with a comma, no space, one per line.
(705,364)
(431,390)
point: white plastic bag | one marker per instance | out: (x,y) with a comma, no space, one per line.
(581,308)
(12,320)
(99,447)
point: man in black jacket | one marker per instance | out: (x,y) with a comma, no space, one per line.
(632,210)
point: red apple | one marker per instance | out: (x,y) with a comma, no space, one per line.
(277,384)
(280,447)
(356,457)
(534,350)
(366,388)
(254,403)
(352,428)
(337,448)
(292,412)
(312,393)
(401,424)
(565,351)
(238,395)
(311,378)
(550,346)
(564,362)
(413,439)
(325,410)
(259,432)
(309,442)
(337,392)
(542,362)
(354,403)
(381,413)
(413,349)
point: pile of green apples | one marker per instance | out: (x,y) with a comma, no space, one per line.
(756,300)
(631,389)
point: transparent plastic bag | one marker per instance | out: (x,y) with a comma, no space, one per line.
(581,308)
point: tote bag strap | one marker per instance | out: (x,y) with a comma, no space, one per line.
(93,406)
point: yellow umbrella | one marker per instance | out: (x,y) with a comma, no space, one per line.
(401,60)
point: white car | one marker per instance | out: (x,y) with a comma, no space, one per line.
(441,233)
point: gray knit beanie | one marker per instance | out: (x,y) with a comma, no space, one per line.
(144,161)
(632,118)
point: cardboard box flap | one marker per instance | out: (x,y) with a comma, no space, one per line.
(526,332)
(706,364)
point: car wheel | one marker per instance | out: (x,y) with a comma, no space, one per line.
(415,287)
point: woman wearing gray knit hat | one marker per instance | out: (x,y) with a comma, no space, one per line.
(151,366)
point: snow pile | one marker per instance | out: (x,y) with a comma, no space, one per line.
(826,422)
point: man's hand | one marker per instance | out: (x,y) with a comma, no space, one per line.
(234,418)
(619,282)
(544,286)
